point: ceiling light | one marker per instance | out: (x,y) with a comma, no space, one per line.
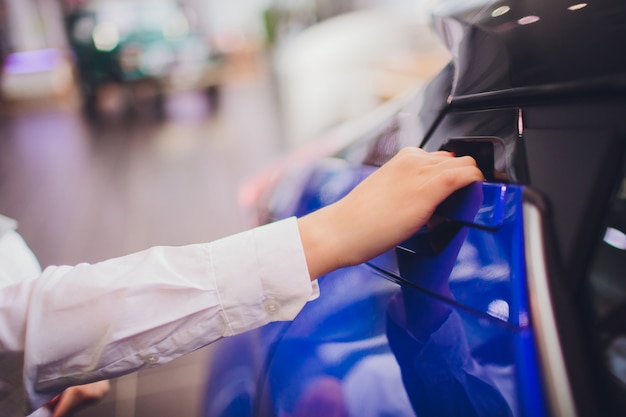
(500,11)
(527,20)
(615,238)
(577,6)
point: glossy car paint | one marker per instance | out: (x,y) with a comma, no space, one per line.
(353,351)
(488,312)
(501,46)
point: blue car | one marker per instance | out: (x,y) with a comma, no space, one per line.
(512,301)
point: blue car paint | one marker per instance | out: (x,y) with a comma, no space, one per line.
(348,353)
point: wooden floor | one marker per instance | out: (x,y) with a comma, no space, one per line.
(85,191)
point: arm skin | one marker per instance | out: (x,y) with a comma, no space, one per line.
(78,397)
(386,208)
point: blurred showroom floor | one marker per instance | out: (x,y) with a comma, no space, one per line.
(86,191)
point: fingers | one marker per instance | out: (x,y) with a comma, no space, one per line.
(446,182)
(77,397)
(440,175)
(65,404)
(461,171)
(438,170)
(420,157)
(418,152)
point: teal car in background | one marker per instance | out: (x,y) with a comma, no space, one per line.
(148,48)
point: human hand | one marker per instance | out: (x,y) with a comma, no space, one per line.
(385,209)
(78,397)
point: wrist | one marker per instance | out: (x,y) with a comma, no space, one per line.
(322,241)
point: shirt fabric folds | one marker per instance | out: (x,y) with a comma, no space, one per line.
(73,325)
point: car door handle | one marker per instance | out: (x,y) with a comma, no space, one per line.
(480,204)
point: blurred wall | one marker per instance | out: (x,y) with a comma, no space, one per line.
(240,18)
(345,66)
(35,24)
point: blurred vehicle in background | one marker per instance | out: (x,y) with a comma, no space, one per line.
(148,48)
(512,301)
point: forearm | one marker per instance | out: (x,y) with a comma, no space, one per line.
(322,242)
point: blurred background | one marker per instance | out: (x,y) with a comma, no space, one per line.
(126,124)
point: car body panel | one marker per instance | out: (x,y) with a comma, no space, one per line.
(501,45)
(318,362)
(511,301)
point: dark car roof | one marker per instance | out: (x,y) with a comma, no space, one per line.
(534,44)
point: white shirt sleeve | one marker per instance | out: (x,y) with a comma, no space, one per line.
(79,324)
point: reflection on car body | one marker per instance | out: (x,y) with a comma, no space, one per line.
(511,301)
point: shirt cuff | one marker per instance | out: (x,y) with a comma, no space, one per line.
(261,276)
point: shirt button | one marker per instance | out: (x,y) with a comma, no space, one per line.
(271,306)
(151,359)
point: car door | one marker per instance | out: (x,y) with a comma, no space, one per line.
(461,327)
(459,320)
(465,318)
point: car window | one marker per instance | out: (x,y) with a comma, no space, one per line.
(608,284)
